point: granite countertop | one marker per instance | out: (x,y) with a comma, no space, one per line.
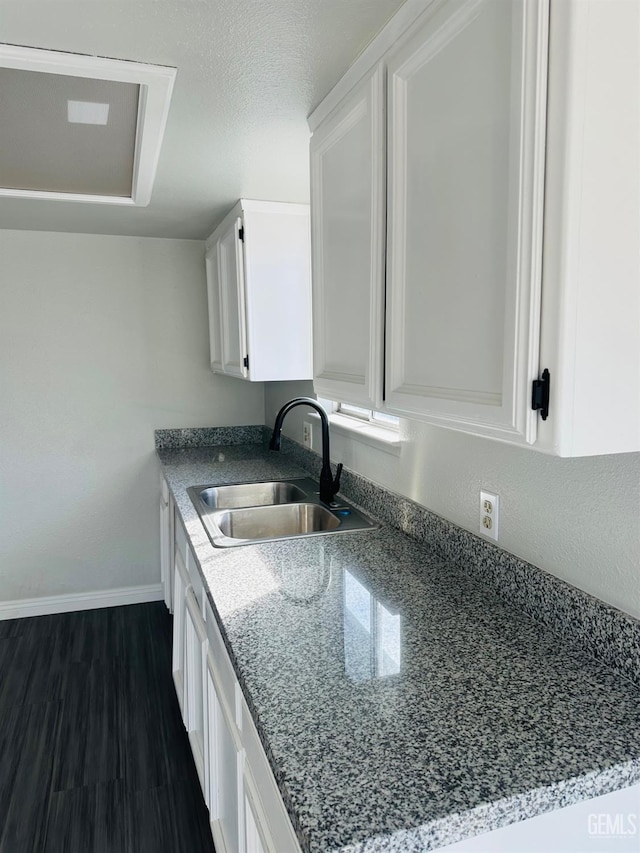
(402,705)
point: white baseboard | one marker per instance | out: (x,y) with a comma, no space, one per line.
(80,601)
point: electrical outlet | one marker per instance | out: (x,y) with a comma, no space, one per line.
(307,434)
(489,514)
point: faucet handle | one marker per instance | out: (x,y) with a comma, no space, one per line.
(336,479)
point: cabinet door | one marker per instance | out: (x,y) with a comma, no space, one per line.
(466,101)
(180,587)
(224,759)
(215,307)
(347,216)
(231,279)
(195,655)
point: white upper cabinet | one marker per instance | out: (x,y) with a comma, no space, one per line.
(512,212)
(466,171)
(347,180)
(591,280)
(259,289)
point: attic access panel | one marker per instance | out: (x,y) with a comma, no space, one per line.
(45,145)
(80,128)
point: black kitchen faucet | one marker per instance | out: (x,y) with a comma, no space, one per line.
(328,485)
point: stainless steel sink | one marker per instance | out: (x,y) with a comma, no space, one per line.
(276,522)
(282,510)
(251,494)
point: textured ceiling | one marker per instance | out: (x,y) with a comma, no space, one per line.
(249,73)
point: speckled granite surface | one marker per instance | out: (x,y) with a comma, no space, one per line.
(207,436)
(600,629)
(403,704)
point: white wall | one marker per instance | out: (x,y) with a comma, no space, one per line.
(102,340)
(576,518)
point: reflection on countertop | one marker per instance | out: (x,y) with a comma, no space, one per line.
(371,633)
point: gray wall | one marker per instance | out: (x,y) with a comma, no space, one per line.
(102,340)
(576,518)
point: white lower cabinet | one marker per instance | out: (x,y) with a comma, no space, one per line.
(247,814)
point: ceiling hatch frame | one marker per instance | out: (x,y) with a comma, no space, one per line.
(156,86)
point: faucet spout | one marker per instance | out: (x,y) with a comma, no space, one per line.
(329,485)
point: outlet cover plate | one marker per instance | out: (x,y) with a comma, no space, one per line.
(307,434)
(489,515)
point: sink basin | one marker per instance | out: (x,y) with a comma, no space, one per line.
(245,513)
(251,494)
(276,522)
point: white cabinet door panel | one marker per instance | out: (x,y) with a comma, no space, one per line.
(230,274)
(347,188)
(277,281)
(466,168)
(224,764)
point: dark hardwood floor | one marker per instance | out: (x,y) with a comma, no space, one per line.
(94,757)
